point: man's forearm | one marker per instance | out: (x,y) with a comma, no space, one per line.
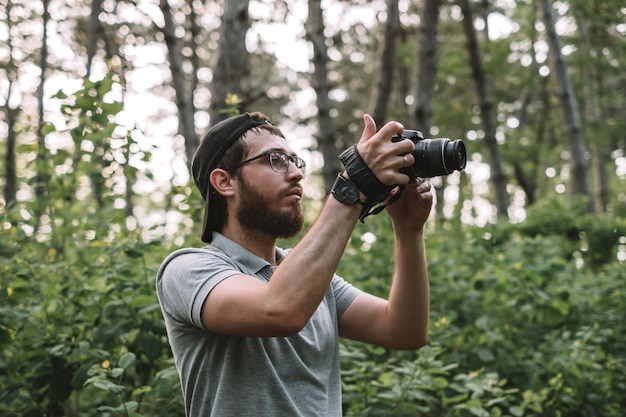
(302,279)
(409,299)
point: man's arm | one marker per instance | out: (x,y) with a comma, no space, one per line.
(401,322)
(244,306)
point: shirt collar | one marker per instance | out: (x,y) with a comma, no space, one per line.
(242,255)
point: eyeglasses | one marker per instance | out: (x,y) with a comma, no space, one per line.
(279,161)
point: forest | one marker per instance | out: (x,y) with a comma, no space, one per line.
(103,103)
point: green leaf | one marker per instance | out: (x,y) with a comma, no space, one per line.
(80,376)
(60,95)
(142,390)
(107,385)
(112,108)
(117,372)
(47,128)
(126,360)
(439,382)
(5,336)
(516,411)
(386,378)
(143,301)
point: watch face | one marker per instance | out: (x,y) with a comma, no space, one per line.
(348,193)
(351,194)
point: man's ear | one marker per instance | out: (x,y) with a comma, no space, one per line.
(222,181)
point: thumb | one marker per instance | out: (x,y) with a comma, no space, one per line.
(370,127)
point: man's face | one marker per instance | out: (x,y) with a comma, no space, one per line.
(269,201)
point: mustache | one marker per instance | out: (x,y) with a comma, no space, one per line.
(297,190)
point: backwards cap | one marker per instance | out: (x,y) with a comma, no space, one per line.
(215,143)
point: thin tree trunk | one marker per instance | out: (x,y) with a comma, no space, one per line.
(486,110)
(129,209)
(42,175)
(10,185)
(195,30)
(184,95)
(425,76)
(95,33)
(527,182)
(426,68)
(387,61)
(326,136)
(579,182)
(232,68)
(593,112)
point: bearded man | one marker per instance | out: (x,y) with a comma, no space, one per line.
(254,328)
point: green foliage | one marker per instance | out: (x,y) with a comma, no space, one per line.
(532,313)
(527,319)
(520,324)
(82,332)
(381,383)
(80,326)
(591,237)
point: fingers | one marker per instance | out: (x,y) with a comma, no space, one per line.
(391,128)
(424,193)
(407,160)
(385,133)
(423,185)
(370,127)
(414,205)
(383,156)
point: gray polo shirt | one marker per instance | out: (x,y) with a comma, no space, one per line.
(248,376)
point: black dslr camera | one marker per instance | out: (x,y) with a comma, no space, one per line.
(433,157)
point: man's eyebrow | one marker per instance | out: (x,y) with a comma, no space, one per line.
(292,153)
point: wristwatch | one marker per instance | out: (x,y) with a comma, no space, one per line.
(345,191)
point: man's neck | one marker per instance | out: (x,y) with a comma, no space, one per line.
(258,243)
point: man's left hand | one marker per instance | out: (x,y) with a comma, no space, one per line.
(412,209)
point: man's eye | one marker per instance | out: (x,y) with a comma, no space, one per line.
(278,158)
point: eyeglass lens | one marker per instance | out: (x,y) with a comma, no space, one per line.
(280,162)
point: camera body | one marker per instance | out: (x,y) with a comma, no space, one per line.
(433,157)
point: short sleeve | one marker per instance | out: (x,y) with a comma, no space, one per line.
(186,278)
(344,293)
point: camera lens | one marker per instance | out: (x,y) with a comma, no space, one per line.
(454,157)
(435,157)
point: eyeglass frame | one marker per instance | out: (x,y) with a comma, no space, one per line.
(298,162)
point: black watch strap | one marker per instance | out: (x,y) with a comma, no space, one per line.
(363,177)
(345,191)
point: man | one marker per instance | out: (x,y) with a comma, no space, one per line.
(254,329)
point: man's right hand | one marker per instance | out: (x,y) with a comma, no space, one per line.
(384,157)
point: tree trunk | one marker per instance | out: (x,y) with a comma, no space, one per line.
(326,136)
(387,63)
(10,185)
(232,68)
(426,68)
(195,30)
(184,95)
(425,76)
(593,114)
(527,182)
(579,182)
(95,33)
(42,175)
(486,110)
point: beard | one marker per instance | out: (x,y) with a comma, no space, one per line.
(255,212)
